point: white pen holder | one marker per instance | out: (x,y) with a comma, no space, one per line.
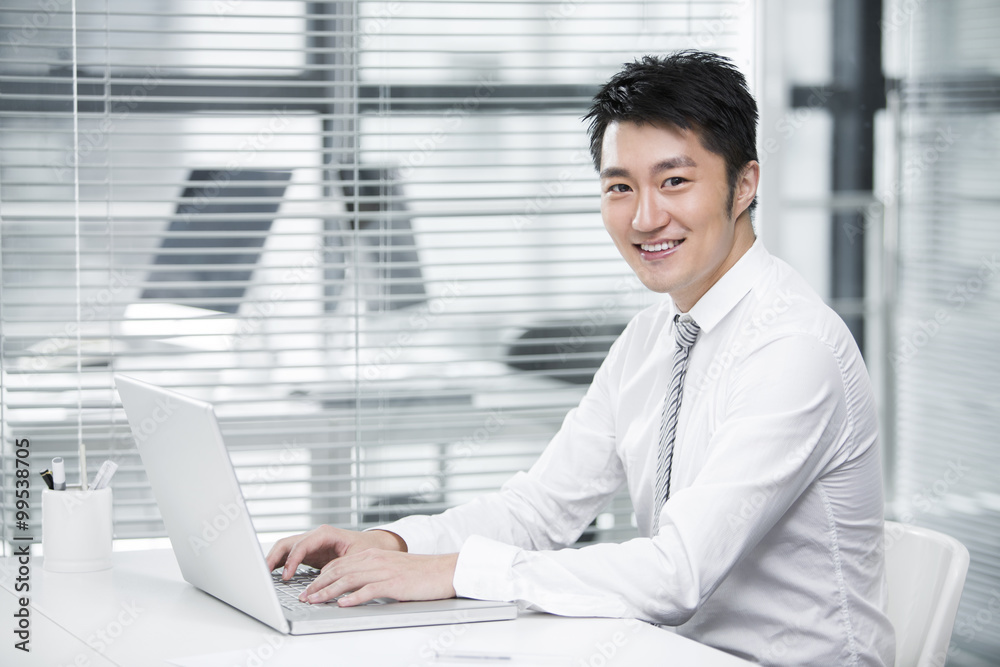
(76,529)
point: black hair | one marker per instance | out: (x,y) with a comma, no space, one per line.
(689,90)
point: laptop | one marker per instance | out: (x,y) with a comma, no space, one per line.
(213,536)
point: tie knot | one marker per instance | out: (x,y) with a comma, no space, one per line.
(685,331)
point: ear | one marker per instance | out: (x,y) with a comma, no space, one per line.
(746,187)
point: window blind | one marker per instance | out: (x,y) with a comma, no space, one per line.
(367,232)
(944,354)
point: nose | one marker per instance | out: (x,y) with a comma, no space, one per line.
(650,215)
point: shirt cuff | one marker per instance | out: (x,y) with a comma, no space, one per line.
(418,537)
(484,570)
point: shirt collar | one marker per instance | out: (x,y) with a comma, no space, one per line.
(723,296)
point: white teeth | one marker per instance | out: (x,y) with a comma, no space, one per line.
(658,246)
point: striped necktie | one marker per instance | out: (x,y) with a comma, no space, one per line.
(686,332)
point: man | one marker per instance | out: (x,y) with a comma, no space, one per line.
(738,412)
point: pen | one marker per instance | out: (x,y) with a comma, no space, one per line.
(482,658)
(58,474)
(104,474)
(83,466)
(47,476)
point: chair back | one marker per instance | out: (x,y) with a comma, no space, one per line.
(926,572)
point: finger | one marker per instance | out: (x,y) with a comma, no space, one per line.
(299,552)
(344,564)
(325,578)
(276,556)
(302,551)
(346,573)
(366,593)
(330,592)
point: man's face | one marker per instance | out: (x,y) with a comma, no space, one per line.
(664,202)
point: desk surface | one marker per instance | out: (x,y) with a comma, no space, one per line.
(141,612)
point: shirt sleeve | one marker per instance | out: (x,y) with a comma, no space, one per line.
(550,505)
(786,421)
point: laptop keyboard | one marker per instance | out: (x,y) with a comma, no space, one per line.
(289,591)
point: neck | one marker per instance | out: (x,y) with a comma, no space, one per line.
(744,234)
(743,238)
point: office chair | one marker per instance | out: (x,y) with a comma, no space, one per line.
(568,352)
(926,573)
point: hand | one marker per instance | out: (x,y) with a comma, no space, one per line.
(321,545)
(376,573)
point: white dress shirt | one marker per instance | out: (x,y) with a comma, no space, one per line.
(770,546)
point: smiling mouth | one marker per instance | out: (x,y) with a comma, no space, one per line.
(657,247)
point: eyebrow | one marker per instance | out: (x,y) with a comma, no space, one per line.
(663,165)
(673,163)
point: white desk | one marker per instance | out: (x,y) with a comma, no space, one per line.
(141,612)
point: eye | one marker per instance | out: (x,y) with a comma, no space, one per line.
(619,188)
(675,181)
